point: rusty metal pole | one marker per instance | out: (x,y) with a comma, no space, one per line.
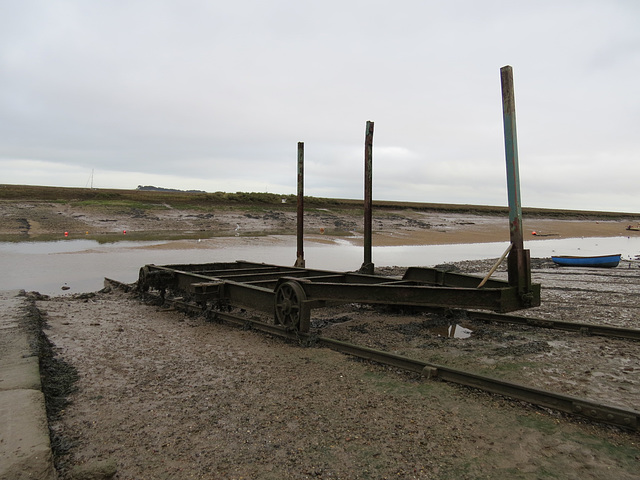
(519,263)
(300,228)
(367,266)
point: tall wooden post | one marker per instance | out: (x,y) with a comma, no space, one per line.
(367,266)
(300,228)
(519,263)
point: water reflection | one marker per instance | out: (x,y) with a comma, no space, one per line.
(66,246)
(83,264)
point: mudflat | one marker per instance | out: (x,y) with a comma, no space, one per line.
(38,219)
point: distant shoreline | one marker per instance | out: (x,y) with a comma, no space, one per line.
(50,213)
(10,192)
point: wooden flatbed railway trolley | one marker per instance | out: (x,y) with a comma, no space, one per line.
(290,293)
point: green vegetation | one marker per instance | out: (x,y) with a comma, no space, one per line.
(143,199)
(195,200)
(624,454)
(120,204)
(542,423)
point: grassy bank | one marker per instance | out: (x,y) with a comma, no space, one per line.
(195,200)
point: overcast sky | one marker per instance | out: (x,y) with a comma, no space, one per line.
(215,95)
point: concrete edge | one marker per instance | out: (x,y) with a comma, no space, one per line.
(25,448)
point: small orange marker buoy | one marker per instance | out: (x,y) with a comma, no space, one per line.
(86,233)
(533,233)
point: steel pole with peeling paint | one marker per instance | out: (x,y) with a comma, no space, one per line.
(300,228)
(367,266)
(519,263)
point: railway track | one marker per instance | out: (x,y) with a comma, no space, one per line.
(582,328)
(585,408)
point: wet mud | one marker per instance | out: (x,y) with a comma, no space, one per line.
(166,395)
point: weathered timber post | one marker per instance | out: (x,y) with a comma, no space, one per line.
(519,262)
(367,266)
(300,228)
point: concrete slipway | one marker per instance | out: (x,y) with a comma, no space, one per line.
(25,450)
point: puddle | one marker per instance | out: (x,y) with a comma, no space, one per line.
(453,331)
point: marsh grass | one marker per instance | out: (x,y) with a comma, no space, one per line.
(195,199)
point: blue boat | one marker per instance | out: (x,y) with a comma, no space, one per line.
(603,261)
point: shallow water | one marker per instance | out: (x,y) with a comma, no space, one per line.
(82,264)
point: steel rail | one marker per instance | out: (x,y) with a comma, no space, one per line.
(592,410)
(582,328)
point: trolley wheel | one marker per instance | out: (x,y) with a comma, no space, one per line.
(143,279)
(290,309)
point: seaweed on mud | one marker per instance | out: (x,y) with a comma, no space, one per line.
(58,378)
(362,328)
(412,329)
(319,323)
(522,349)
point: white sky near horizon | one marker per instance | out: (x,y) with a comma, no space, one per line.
(215,96)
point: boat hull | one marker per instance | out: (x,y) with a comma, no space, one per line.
(601,261)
